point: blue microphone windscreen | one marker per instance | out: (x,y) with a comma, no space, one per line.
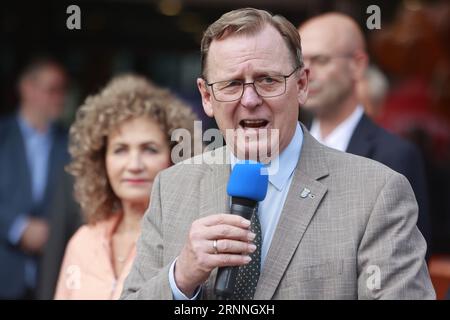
(248,180)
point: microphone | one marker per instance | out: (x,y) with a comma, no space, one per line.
(246,187)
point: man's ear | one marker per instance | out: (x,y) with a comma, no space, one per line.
(359,65)
(206,97)
(302,83)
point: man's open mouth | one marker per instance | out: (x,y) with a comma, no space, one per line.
(253,123)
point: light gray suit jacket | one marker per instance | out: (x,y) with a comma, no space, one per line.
(355,237)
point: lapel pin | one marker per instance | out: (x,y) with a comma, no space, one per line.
(305,193)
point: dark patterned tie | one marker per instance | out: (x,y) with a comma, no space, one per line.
(248,275)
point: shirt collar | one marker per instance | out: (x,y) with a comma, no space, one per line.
(28,130)
(340,137)
(282,167)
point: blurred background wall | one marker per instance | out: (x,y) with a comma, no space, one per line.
(159,38)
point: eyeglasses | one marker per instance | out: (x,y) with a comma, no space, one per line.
(266,87)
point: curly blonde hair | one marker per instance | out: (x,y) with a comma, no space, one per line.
(123,98)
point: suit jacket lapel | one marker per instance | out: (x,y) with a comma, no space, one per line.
(297,213)
(19,155)
(57,160)
(214,199)
(361,141)
(213,189)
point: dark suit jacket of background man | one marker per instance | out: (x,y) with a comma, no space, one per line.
(16,198)
(371,141)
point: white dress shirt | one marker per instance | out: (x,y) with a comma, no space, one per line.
(340,137)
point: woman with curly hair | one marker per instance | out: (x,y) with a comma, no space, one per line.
(120,140)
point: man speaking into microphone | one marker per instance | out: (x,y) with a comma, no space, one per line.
(330,225)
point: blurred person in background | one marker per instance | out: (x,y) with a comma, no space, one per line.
(33,152)
(119,142)
(334,50)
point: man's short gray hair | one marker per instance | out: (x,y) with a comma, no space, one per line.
(249,21)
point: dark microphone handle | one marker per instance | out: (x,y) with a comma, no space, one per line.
(226,276)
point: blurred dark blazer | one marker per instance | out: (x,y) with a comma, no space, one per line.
(16,198)
(371,141)
(64,219)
